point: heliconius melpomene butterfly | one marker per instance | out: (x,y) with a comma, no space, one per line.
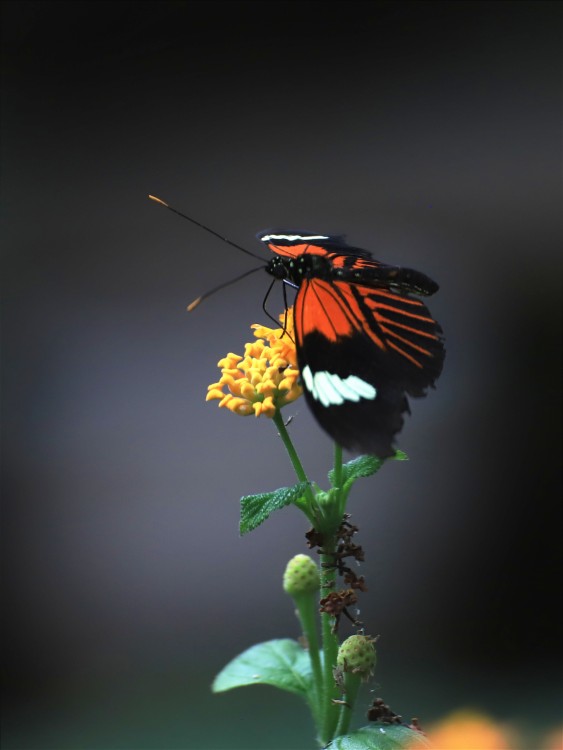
(364,341)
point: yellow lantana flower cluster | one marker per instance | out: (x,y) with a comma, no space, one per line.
(266,378)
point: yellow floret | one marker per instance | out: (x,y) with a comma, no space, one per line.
(266,378)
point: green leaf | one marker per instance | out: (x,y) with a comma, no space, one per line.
(362,466)
(282,663)
(255,509)
(380,737)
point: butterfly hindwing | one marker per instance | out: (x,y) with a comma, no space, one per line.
(358,407)
(360,352)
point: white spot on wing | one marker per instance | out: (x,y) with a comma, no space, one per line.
(309,382)
(332,390)
(363,389)
(345,390)
(327,389)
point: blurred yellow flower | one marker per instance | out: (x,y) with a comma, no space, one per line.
(266,378)
(467,730)
(554,740)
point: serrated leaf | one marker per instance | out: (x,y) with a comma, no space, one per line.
(282,663)
(255,509)
(362,466)
(378,736)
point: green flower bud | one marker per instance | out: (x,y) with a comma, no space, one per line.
(301,576)
(357,655)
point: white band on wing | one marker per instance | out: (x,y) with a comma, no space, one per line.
(332,390)
(293,237)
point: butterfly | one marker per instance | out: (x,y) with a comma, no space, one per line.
(364,340)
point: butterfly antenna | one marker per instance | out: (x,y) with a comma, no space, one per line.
(196,301)
(207,229)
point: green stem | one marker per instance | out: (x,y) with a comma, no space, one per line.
(307,505)
(308,614)
(338,480)
(330,643)
(294,458)
(327,521)
(331,523)
(307,611)
(351,688)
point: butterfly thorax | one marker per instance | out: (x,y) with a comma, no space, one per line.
(305,266)
(329,267)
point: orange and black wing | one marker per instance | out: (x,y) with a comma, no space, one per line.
(364,342)
(362,349)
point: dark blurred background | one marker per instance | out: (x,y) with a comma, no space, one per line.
(428,133)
